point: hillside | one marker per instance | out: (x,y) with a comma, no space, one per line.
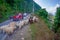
(11,7)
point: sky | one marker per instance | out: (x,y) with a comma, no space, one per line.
(50,5)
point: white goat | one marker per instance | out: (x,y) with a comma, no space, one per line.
(8,28)
(20,24)
(35,19)
(2,27)
(26,21)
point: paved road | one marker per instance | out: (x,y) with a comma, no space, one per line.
(21,34)
(6,22)
(3,35)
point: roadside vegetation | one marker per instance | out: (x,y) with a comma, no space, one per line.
(57,24)
(53,27)
(40,31)
(34,30)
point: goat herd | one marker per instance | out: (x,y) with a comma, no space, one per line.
(12,26)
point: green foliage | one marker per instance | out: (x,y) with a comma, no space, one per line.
(57,20)
(36,7)
(10,2)
(34,30)
(43,13)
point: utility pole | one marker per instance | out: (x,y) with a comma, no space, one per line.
(33,7)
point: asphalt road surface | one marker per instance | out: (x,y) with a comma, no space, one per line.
(2,34)
(21,34)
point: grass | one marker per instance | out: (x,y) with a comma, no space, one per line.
(47,22)
(40,30)
(34,30)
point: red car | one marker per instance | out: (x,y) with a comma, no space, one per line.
(17,17)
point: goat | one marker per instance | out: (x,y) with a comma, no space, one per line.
(9,29)
(26,21)
(35,19)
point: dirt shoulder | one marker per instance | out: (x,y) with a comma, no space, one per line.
(40,31)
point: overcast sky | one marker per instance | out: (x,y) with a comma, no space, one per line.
(50,5)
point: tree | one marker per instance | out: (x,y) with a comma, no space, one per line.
(57,20)
(10,2)
(43,13)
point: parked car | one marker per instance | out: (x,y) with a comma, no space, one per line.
(25,15)
(17,17)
